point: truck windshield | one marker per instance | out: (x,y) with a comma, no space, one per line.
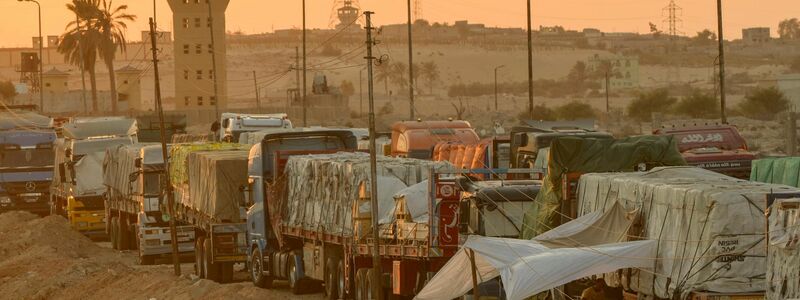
(152,183)
(15,157)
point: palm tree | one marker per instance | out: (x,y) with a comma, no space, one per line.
(382,74)
(110,24)
(78,43)
(398,71)
(429,71)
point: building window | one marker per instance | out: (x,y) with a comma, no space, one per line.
(210,48)
(199,74)
(199,100)
(185,74)
(627,63)
(124,82)
(186,101)
(210,74)
(47,84)
(185,22)
(196,22)
(212,100)
(198,49)
(185,48)
(628,75)
(208,22)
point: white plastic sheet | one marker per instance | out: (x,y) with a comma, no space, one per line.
(784,252)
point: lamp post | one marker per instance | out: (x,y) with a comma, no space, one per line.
(41,84)
(495,85)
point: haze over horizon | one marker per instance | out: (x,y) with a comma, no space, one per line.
(19,22)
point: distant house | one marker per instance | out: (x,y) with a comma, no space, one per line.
(756,35)
(625,69)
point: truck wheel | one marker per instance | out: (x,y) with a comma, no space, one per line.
(341,283)
(361,284)
(199,258)
(332,278)
(294,281)
(113,237)
(257,270)
(226,272)
(211,269)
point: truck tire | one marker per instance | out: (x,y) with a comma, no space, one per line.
(257,270)
(114,233)
(294,281)
(361,284)
(123,234)
(226,272)
(211,269)
(199,258)
(332,278)
(341,283)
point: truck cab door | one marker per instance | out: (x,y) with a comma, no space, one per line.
(255,213)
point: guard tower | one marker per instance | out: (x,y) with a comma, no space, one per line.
(129,88)
(346,14)
(29,70)
(193,49)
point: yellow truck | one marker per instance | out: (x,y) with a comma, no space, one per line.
(77,187)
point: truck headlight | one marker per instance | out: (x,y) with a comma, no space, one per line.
(5,199)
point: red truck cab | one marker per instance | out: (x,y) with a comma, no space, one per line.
(416,139)
(718,148)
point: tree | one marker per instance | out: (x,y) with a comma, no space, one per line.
(764,103)
(643,107)
(654,30)
(789,29)
(382,74)
(540,113)
(574,111)
(429,72)
(347,88)
(79,43)
(698,105)
(397,73)
(110,23)
(705,37)
(578,74)
(7,90)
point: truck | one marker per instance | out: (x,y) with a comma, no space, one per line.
(26,161)
(495,208)
(532,139)
(136,205)
(417,139)
(77,188)
(206,180)
(232,124)
(310,217)
(718,148)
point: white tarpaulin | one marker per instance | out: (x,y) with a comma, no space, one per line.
(496,256)
(415,198)
(784,252)
(710,227)
(89,174)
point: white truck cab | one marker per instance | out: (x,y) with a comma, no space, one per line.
(233,124)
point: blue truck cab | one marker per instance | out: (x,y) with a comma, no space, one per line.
(268,253)
(26,162)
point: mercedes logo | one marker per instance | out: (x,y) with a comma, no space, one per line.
(30,186)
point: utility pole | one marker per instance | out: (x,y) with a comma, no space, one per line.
(495,85)
(530,65)
(360,94)
(167,185)
(297,70)
(608,106)
(305,120)
(723,117)
(255,86)
(373,165)
(213,60)
(410,67)
(83,75)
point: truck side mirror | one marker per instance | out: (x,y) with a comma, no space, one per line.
(225,123)
(68,153)
(133,176)
(62,173)
(138,163)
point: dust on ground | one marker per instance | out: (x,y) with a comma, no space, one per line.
(43,258)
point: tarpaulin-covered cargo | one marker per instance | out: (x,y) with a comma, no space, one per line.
(215,179)
(120,162)
(178,154)
(783,257)
(780,170)
(585,155)
(709,227)
(321,190)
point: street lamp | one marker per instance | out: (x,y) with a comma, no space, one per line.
(41,58)
(495,85)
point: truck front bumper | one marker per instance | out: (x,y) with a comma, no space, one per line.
(157,240)
(91,223)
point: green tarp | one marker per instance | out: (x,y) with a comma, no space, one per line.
(178,173)
(582,155)
(779,170)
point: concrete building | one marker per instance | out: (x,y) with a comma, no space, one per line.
(129,89)
(756,35)
(194,71)
(55,81)
(625,70)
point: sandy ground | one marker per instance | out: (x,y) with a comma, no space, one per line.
(42,258)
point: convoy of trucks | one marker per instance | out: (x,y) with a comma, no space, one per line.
(77,186)
(26,161)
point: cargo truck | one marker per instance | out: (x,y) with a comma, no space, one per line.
(310,217)
(206,179)
(232,124)
(136,205)
(26,161)
(417,139)
(77,188)
(719,148)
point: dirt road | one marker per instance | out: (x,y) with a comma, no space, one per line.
(43,258)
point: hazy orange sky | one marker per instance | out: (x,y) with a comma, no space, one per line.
(18,22)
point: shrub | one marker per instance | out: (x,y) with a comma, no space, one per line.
(574,111)
(764,103)
(643,107)
(698,105)
(7,90)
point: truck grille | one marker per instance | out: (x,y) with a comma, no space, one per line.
(27,187)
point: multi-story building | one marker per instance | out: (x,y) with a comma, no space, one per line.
(624,69)
(756,35)
(193,50)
